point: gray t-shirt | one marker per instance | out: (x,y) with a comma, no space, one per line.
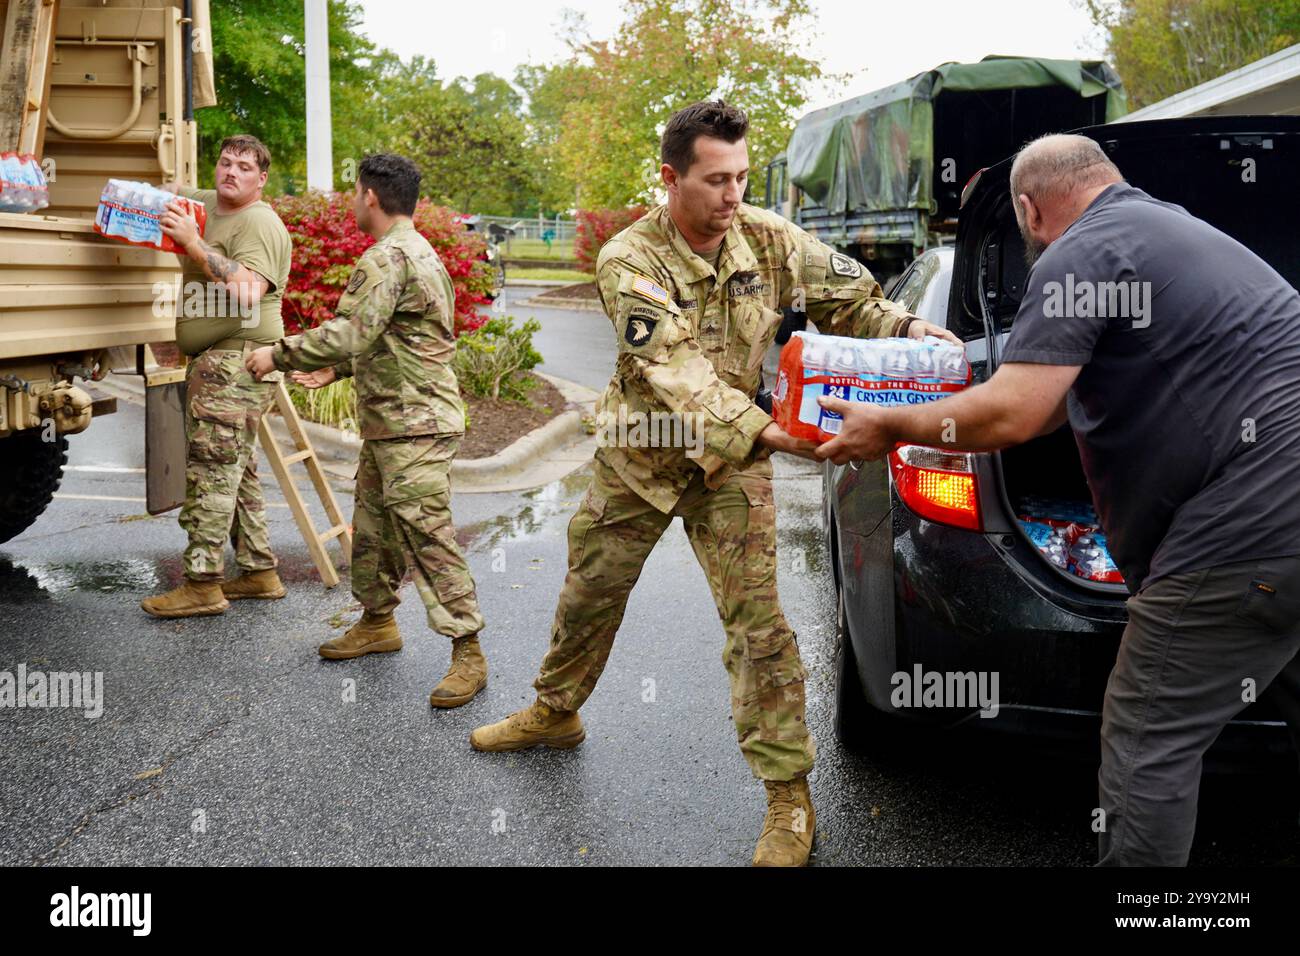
(1187,408)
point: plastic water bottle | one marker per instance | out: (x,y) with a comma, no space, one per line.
(14,194)
(953,368)
(871,360)
(1084,555)
(926,358)
(23,201)
(1057,549)
(42,187)
(844,359)
(897,364)
(813,356)
(8,183)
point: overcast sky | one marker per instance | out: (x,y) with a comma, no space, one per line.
(890,43)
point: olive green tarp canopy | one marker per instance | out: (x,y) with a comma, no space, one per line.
(876,151)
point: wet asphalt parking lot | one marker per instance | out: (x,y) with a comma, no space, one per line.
(228,740)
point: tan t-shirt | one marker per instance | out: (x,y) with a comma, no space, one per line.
(256,239)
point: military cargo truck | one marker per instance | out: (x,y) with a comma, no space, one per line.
(95,89)
(880,176)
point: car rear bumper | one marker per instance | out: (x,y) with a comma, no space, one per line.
(969,603)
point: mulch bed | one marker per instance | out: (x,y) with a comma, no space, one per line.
(581,290)
(494,423)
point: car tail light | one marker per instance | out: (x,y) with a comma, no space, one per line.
(938,485)
(970,184)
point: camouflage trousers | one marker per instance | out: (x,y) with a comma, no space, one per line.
(402,522)
(223,498)
(733,533)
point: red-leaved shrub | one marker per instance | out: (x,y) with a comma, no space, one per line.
(596,227)
(327,243)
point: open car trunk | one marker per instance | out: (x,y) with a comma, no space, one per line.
(1234,172)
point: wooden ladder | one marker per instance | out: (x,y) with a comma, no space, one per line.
(304,452)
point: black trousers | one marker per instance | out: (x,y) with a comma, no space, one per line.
(1198,648)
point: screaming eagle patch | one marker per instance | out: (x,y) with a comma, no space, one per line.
(844,266)
(639,330)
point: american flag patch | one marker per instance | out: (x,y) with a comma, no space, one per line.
(650,290)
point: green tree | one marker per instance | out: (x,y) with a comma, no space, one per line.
(1161,47)
(547,89)
(469,138)
(258,58)
(597,117)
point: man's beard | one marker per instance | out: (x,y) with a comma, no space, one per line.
(1033,248)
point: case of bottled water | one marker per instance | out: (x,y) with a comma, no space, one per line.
(1069,536)
(130,212)
(875,371)
(22,184)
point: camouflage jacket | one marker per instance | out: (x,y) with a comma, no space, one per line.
(692,341)
(393,329)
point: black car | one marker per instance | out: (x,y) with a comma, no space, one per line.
(934,572)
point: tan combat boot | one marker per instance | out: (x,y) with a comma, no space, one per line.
(790,824)
(466,677)
(189,600)
(371,635)
(535,725)
(265,585)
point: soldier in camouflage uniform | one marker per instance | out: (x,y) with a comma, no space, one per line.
(394,331)
(239,267)
(694,290)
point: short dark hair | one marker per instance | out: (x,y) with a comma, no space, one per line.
(716,118)
(243,143)
(395,180)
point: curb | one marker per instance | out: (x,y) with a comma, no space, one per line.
(337,449)
(538,283)
(555,302)
(521,453)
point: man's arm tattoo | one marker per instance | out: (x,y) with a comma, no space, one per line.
(217,266)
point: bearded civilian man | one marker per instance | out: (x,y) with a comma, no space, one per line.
(1198,512)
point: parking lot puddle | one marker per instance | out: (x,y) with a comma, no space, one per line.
(545,513)
(21,583)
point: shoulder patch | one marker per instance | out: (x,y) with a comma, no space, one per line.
(639,329)
(648,289)
(842,265)
(357,281)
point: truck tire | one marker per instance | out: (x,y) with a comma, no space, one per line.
(29,479)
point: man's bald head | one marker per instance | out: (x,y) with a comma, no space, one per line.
(1053,167)
(1053,180)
